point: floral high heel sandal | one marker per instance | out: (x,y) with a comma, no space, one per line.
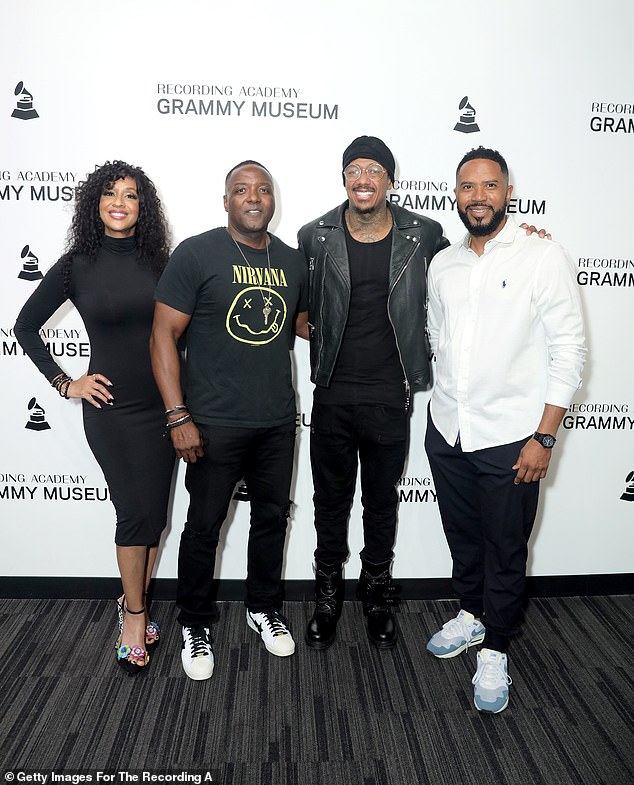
(152,630)
(133,659)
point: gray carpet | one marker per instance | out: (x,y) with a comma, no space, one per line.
(351,715)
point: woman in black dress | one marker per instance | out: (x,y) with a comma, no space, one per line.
(117,247)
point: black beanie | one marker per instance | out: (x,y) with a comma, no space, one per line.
(373,148)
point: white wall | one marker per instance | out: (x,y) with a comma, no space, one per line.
(533,72)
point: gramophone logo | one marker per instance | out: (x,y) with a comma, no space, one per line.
(467,122)
(37,418)
(628,493)
(24,109)
(30,266)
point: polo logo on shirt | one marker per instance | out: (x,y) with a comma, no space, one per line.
(503,284)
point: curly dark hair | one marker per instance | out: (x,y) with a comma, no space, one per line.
(488,154)
(87,230)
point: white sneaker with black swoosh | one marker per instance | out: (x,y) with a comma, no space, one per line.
(273,629)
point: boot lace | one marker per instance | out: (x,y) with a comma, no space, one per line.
(382,593)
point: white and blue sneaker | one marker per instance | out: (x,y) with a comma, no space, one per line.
(272,627)
(491,682)
(196,654)
(456,636)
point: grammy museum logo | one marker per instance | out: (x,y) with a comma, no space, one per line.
(628,493)
(24,106)
(467,121)
(416,489)
(243,100)
(30,265)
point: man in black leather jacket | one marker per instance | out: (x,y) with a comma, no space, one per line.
(367,263)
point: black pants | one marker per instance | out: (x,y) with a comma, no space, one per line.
(487,521)
(264,457)
(341,438)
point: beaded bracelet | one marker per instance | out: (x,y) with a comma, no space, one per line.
(61,383)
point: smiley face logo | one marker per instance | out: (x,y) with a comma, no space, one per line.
(256,315)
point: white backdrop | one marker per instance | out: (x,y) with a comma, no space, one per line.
(186,90)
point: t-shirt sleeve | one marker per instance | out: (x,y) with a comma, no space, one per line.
(37,310)
(178,286)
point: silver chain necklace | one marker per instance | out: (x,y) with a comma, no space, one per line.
(266,301)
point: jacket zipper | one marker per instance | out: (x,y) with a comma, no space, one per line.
(408,391)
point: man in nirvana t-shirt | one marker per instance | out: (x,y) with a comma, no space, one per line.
(239,293)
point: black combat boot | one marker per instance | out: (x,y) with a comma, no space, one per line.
(329,591)
(377,592)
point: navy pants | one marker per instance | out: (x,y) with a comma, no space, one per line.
(264,458)
(342,437)
(487,521)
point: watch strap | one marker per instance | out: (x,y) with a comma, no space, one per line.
(546,440)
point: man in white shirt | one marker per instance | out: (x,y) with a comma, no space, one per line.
(506,328)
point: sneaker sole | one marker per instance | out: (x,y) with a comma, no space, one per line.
(253,626)
(473,642)
(197,677)
(489,711)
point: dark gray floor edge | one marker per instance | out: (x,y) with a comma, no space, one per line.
(37,587)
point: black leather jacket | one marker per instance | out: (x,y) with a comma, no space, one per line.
(415,240)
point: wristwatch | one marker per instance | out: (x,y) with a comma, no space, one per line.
(545,439)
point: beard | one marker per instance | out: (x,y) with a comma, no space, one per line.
(479,229)
(366,210)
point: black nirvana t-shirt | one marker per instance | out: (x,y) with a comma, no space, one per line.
(238,369)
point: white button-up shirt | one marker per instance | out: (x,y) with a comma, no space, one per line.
(507,331)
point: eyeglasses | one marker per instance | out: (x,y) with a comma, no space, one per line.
(353,172)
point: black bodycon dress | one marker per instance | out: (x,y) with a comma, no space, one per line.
(114,295)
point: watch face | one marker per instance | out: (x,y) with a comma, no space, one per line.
(546,440)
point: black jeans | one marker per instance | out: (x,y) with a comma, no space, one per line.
(264,457)
(341,438)
(487,521)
